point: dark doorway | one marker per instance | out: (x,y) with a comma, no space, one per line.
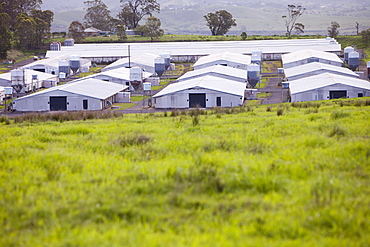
(218,101)
(40,70)
(338,94)
(197,100)
(58,103)
(360,95)
(85,104)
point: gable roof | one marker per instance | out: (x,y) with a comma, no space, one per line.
(324,80)
(92,88)
(315,66)
(41,76)
(308,53)
(207,82)
(119,73)
(145,59)
(217,69)
(224,56)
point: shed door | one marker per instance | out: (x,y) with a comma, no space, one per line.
(218,101)
(197,100)
(58,103)
(338,94)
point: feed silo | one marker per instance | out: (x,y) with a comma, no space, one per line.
(74,63)
(254,74)
(353,60)
(17,79)
(55,46)
(368,70)
(167,59)
(69,42)
(256,57)
(64,67)
(347,50)
(136,78)
(159,66)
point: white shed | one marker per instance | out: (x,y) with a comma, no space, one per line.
(309,56)
(234,60)
(221,71)
(144,61)
(89,94)
(328,86)
(316,68)
(203,92)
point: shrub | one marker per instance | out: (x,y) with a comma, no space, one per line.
(280,111)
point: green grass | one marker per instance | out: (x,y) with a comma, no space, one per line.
(263,95)
(240,176)
(137,98)
(123,106)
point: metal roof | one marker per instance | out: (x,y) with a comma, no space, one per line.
(308,53)
(324,80)
(215,70)
(224,56)
(145,59)
(315,66)
(119,73)
(206,82)
(196,48)
(90,87)
(54,61)
(29,72)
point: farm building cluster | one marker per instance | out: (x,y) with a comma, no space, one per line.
(224,74)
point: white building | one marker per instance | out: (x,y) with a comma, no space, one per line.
(309,56)
(203,92)
(221,71)
(2,94)
(316,68)
(328,86)
(29,79)
(144,61)
(234,60)
(89,94)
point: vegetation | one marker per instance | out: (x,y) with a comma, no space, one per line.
(333,29)
(220,22)
(294,12)
(134,10)
(76,31)
(243,176)
(151,28)
(97,15)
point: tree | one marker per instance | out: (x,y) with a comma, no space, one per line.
(76,31)
(244,35)
(43,21)
(5,35)
(333,29)
(294,12)
(25,32)
(98,15)
(15,7)
(357,28)
(220,22)
(366,36)
(152,28)
(121,33)
(134,10)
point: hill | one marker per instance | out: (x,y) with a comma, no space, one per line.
(283,175)
(254,17)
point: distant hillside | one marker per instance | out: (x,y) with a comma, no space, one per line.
(254,17)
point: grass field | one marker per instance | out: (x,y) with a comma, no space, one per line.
(291,175)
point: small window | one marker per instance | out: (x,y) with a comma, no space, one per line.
(85,104)
(360,95)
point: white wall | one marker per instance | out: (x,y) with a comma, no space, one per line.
(324,93)
(228,63)
(40,102)
(181,99)
(317,72)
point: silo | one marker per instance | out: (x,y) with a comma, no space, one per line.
(55,46)
(69,42)
(353,60)
(136,78)
(254,74)
(74,63)
(347,50)
(256,58)
(167,59)
(64,67)
(368,70)
(17,78)
(159,66)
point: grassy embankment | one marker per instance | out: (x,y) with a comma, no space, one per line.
(282,175)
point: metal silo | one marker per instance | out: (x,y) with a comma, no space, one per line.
(353,60)
(167,59)
(347,50)
(55,46)
(69,42)
(136,78)
(74,63)
(368,70)
(18,80)
(254,74)
(64,67)
(159,66)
